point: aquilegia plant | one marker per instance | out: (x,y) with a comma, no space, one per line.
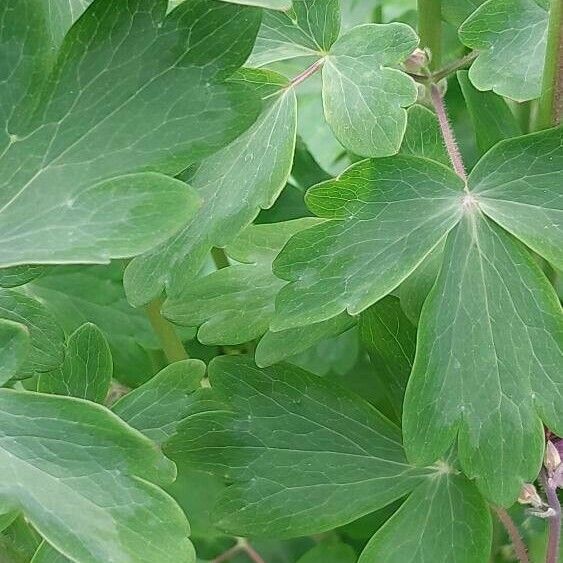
(279,281)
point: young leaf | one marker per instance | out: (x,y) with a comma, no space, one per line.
(423,136)
(491,117)
(487,362)
(390,339)
(98,133)
(387,216)
(156,407)
(518,183)
(356,74)
(443,520)
(304,455)
(14,347)
(234,184)
(46,338)
(309,29)
(236,304)
(510,36)
(76,470)
(87,368)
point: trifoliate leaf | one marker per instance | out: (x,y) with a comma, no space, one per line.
(511,37)
(20,275)
(277,346)
(304,454)
(390,339)
(387,216)
(518,183)
(96,127)
(234,184)
(236,304)
(330,552)
(443,520)
(87,368)
(309,29)
(356,75)
(156,407)
(488,361)
(423,136)
(75,470)
(14,347)
(491,117)
(81,294)
(46,338)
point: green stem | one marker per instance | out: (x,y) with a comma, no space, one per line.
(430,29)
(549,106)
(378,14)
(171,344)
(219,258)
(523,112)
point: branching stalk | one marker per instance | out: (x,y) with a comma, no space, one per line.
(514,534)
(550,102)
(307,73)
(447,132)
(454,66)
(242,545)
(554,533)
(170,341)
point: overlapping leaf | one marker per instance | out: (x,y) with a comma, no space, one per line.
(87,368)
(387,216)
(511,37)
(88,137)
(304,455)
(14,347)
(356,75)
(84,480)
(234,184)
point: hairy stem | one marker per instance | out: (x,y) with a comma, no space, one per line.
(307,73)
(514,534)
(430,29)
(549,106)
(554,533)
(447,132)
(170,341)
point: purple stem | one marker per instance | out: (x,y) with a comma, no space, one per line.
(447,132)
(308,72)
(514,534)
(553,541)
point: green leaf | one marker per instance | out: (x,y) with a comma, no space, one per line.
(20,275)
(61,15)
(356,74)
(156,407)
(390,339)
(46,338)
(87,368)
(423,136)
(14,347)
(277,346)
(518,184)
(97,128)
(330,552)
(48,554)
(236,304)
(387,216)
(510,36)
(269,4)
(77,295)
(76,470)
(443,520)
(491,117)
(304,454)
(234,185)
(455,12)
(309,29)
(488,361)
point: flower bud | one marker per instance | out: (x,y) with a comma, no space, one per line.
(551,459)
(416,61)
(529,495)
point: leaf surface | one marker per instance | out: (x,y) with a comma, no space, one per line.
(156,407)
(75,470)
(87,368)
(387,216)
(89,135)
(14,347)
(304,455)
(356,75)
(488,361)
(511,37)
